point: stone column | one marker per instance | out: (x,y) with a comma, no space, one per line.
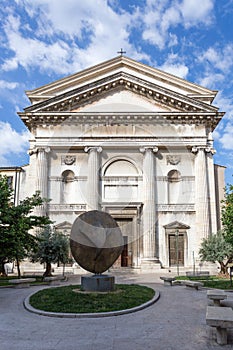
(149,206)
(93,177)
(201,195)
(212,196)
(42,177)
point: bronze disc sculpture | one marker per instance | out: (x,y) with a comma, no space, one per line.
(96,241)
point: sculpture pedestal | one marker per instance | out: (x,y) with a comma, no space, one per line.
(98,283)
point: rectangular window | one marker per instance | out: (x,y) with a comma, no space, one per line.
(10,181)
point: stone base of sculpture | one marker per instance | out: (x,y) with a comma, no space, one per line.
(98,283)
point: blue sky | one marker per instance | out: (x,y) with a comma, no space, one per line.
(44,40)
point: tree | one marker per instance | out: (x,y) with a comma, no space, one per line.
(6,194)
(227,214)
(216,249)
(52,247)
(16,221)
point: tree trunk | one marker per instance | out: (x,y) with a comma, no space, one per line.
(18,267)
(2,268)
(223,268)
(48,271)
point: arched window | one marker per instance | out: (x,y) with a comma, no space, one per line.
(121,181)
(67,187)
(121,168)
(174,188)
(67,176)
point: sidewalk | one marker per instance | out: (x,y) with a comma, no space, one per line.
(175,322)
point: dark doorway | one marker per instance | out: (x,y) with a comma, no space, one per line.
(125,259)
(124,254)
(176,249)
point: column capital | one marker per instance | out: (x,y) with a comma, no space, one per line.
(206,149)
(194,149)
(210,150)
(36,150)
(153,149)
(89,149)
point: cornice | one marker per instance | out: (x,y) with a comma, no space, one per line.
(44,119)
(113,65)
(91,92)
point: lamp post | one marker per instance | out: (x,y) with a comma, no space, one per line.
(177,251)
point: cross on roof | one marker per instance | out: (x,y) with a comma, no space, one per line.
(121,52)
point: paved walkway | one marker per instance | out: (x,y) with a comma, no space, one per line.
(176,321)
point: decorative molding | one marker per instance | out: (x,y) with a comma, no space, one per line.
(86,93)
(183,178)
(176,225)
(175,207)
(60,178)
(66,207)
(121,178)
(44,119)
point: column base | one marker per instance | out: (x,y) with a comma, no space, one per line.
(150,264)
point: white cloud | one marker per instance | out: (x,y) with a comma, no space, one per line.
(220,58)
(211,79)
(8,85)
(89,32)
(226,138)
(194,13)
(160,17)
(174,66)
(225,104)
(33,52)
(11,142)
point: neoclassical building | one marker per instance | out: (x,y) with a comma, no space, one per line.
(133,141)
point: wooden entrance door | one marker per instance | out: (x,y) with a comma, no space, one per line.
(125,260)
(176,250)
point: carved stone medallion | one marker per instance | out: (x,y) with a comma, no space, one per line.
(68,160)
(173,159)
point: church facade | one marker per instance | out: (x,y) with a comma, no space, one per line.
(135,142)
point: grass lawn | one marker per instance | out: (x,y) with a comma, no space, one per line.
(211,282)
(65,299)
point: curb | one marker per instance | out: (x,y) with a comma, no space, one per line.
(30,308)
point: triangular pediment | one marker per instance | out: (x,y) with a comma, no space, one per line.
(103,92)
(176,225)
(121,65)
(119,91)
(65,225)
(122,101)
